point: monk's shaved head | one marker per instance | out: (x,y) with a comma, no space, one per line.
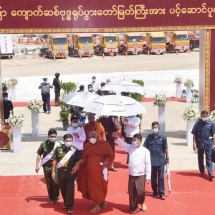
(93,134)
(91,118)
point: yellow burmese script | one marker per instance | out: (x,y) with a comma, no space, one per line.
(121,11)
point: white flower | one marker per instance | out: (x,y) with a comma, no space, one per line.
(34,105)
(178,79)
(160,100)
(189,83)
(190,113)
(16,120)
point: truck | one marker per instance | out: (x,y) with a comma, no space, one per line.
(6,46)
(56,46)
(106,44)
(154,43)
(194,39)
(177,41)
(131,43)
(81,45)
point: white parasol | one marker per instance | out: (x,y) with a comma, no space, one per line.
(79,99)
(119,86)
(115,105)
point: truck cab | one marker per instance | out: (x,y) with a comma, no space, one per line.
(57,47)
(132,44)
(106,44)
(82,45)
(156,42)
(178,41)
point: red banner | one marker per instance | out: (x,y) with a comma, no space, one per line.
(79,14)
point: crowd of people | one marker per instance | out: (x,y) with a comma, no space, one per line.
(87,152)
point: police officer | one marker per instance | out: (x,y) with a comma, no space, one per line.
(46,151)
(45,92)
(65,158)
(203,140)
(156,143)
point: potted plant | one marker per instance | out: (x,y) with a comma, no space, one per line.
(191,115)
(138,96)
(160,101)
(67,87)
(183,93)
(178,80)
(189,84)
(64,117)
(195,95)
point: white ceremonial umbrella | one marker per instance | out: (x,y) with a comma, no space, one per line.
(79,99)
(115,105)
(119,86)
(168,177)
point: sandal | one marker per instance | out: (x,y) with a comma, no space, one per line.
(95,209)
(104,204)
(69,211)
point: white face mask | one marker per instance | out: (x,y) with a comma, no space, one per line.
(93,140)
(44,82)
(83,114)
(204,119)
(94,79)
(5,98)
(135,143)
(75,125)
(106,116)
(90,89)
(68,144)
(53,139)
(155,130)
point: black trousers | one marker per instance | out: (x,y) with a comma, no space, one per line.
(46,102)
(66,185)
(157,180)
(208,155)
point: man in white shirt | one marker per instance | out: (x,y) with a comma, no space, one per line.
(78,135)
(96,86)
(131,125)
(139,171)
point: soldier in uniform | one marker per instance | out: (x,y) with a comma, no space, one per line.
(46,151)
(203,140)
(45,92)
(65,158)
(156,143)
(56,83)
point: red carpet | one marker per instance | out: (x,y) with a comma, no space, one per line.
(24,104)
(191,195)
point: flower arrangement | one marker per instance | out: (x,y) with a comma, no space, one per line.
(34,105)
(189,83)
(160,100)
(212,116)
(15,120)
(12,82)
(190,113)
(178,79)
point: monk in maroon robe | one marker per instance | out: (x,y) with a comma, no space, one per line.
(92,171)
